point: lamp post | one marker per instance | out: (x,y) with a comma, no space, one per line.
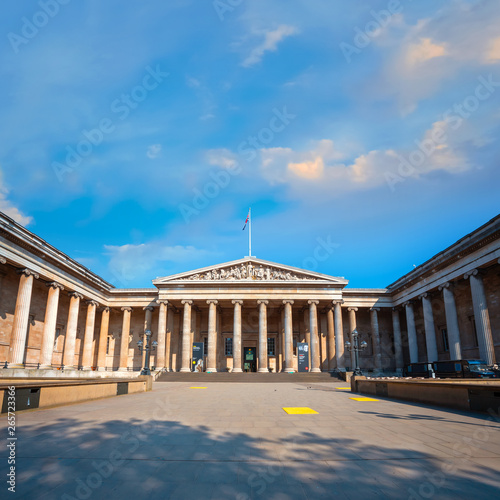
(356,346)
(150,346)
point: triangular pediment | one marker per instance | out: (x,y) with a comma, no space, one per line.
(249,269)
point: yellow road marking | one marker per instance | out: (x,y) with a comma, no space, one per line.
(365,399)
(300,410)
(343,388)
(197,387)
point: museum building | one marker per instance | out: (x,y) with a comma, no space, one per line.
(250,314)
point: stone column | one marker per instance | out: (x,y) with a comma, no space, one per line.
(412,332)
(339,335)
(49,326)
(186,337)
(377,354)
(263,367)
(430,329)
(21,318)
(89,335)
(313,327)
(162,333)
(103,340)
(330,339)
(71,329)
(212,336)
(352,326)
(288,350)
(237,336)
(170,329)
(125,339)
(398,345)
(148,318)
(450,309)
(481,317)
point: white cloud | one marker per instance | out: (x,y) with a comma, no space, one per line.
(222,158)
(438,150)
(493,54)
(128,263)
(8,208)
(153,151)
(269,44)
(423,51)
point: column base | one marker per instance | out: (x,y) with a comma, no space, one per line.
(86,368)
(122,369)
(69,368)
(101,369)
(45,367)
(185,370)
(211,370)
(237,370)
(315,370)
(263,370)
(16,366)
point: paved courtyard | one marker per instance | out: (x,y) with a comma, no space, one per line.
(234,441)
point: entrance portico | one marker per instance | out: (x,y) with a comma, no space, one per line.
(249,308)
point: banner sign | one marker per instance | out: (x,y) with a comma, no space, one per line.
(303,357)
(197,363)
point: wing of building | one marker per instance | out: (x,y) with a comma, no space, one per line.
(246,315)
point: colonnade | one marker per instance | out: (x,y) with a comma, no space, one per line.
(481,319)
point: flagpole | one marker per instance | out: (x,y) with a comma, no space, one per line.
(250,232)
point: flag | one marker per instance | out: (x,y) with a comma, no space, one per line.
(246,220)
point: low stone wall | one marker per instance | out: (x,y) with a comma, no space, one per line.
(44,393)
(477,395)
(64,374)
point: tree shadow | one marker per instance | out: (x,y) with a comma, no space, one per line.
(155,459)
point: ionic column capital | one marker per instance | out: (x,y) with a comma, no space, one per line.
(187,302)
(105,309)
(3,260)
(55,284)
(162,301)
(355,309)
(473,272)
(263,301)
(408,303)
(396,309)
(311,302)
(92,303)
(212,301)
(449,284)
(28,272)
(148,308)
(425,295)
(287,301)
(237,301)
(75,295)
(127,309)
(375,309)
(338,302)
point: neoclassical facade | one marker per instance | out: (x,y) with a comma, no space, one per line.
(250,314)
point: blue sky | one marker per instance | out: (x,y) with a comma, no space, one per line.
(364,134)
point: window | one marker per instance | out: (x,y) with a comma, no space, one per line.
(271,346)
(108,342)
(295,347)
(228,346)
(205,346)
(444,335)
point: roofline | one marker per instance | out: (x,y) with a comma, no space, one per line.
(471,242)
(179,276)
(13,231)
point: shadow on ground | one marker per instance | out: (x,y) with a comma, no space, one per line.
(68,459)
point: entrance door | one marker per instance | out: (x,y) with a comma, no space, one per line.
(250,359)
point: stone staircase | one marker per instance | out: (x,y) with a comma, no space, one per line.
(248,377)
